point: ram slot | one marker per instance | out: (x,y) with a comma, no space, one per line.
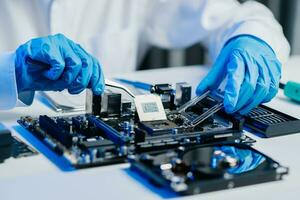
(111,133)
(54,130)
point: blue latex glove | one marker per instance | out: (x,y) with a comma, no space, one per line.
(55,63)
(253,73)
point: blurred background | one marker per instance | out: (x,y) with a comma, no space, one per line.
(287,12)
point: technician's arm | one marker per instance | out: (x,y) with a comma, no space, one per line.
(246,38)
(181,23)
(8,86)
(51,63)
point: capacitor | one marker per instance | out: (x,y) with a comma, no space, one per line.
(131,130)
(111,104)
(123,150)
(174,131)
(74,139)
(183,93)
(93,154)
(126,126)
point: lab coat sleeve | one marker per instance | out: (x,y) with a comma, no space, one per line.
(9,97)
(181,23)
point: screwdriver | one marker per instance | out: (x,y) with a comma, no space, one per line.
(291,89)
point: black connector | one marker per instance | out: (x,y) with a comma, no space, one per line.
(271,123)
(109,132)
(56,131)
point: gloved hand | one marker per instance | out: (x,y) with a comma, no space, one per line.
(55,63)
(253,73)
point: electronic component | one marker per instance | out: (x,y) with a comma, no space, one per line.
(183,93)
(126,107)
(89,140)
(11,146)
(149,108)
(96,104)
(93,102)
(199,109)
(108,131)
(20,149)
(160,127)
(5,143)
(111,104)
(83,140)
(5,136)
(16,149)
(166,93)
(207,168)
(271,123)
(55,130)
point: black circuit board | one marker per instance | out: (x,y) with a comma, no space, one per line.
(16,149)
(89,140)
(191,149)
(271,123)
(20,149)
(92,140)
(75,139)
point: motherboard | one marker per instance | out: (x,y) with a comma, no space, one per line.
(188,145)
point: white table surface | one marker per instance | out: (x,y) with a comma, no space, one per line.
(36,177)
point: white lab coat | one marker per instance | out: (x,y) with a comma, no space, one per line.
(119,32)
